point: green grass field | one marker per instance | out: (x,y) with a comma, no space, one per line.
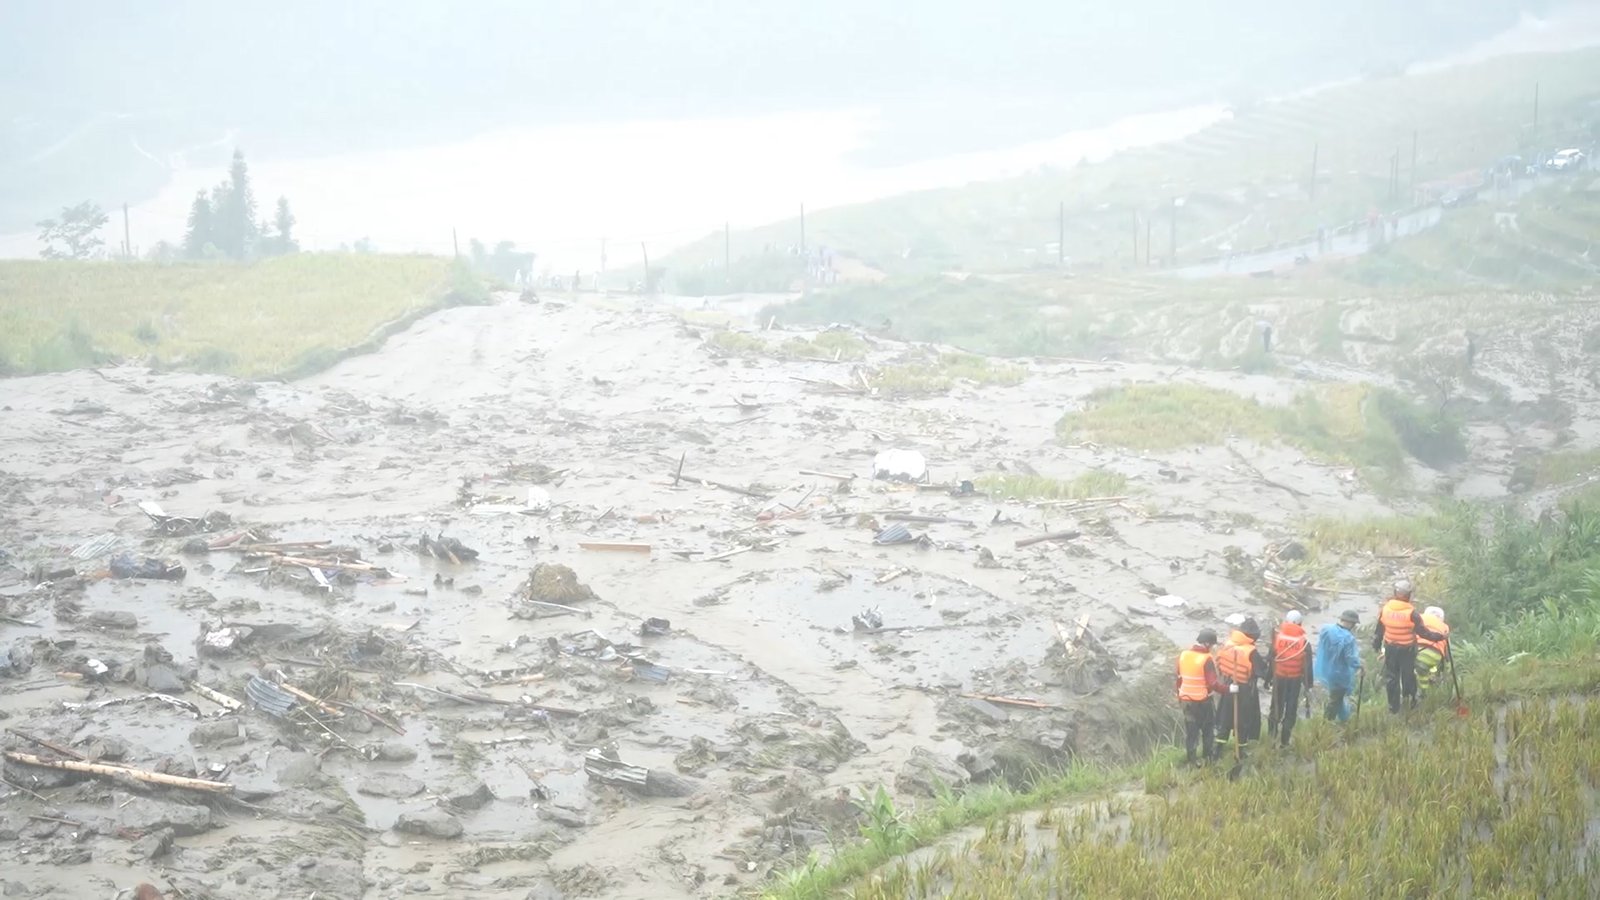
(285,315)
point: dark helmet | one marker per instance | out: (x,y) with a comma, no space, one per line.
(1208,637)
(1250,627)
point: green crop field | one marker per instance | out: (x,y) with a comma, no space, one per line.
(277,316)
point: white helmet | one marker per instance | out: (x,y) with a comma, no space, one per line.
(1293,616)
(1434,611)
(1402,588)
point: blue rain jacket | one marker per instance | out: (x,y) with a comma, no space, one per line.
(1338,657)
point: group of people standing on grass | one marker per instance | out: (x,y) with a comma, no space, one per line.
(1236,672)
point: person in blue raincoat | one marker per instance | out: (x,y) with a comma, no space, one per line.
(1337,663)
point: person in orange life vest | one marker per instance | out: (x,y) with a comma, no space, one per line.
(1432,656)
(1197,681)
(1399,627)
(1289,660)
(1241,666)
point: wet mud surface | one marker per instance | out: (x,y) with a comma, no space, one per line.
(441,741)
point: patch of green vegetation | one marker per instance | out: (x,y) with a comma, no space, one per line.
(938,374)
(1566,466)
(839,345)
(1093,483)
(1347,423)
(248,319)
(1383,536)
(977,314)
(736,343)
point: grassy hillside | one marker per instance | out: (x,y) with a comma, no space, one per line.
(1245,180)
(285,315)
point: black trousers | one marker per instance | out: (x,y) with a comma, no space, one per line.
(1400,674)
(1249,715)
(1285,707)
(1199,728)
(1335,710)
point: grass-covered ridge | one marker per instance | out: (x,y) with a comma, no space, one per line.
(1348,423)
(280,316)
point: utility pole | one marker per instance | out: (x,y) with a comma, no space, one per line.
(1136,238)
(802,229)
(454,243)
(647,286)
(1413,163)
(1173,259)
(1148,224)
(1394,176)
(1314,148)
(127,241)
(1061,237)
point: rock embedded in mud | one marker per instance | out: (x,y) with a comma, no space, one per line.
(394,751)
(149,814)
(162,678)
(218,733)
(565,816)
(113,618)
(333,877)
(434,823)
(925,774)
(467,793)
(154,844)
(390,784)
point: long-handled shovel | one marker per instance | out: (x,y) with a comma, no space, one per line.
(1238,740)
(1461,704)
(1361,688)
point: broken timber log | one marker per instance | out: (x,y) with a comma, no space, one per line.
(1023,702)
(1053,536)
(616,546)
(105,770)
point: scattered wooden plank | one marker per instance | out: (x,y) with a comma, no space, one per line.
(929,520)
(614,546)
(216,696)
(1021,702)
(1053,536)
(48,745)
(328,708)
(105,770)
(892,576)
(833,475)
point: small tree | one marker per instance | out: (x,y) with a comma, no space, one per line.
(75,234)
(233,210)
(284,221)
(201,233)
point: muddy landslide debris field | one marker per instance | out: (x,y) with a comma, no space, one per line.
(428,702)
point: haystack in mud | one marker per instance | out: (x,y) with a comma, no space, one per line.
(550,589)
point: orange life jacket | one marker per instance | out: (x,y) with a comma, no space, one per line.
(1396,619)
(1437,624)
(1233,661)
(1289,651)
(1192,675)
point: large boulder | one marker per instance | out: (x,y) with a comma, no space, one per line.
(925,774)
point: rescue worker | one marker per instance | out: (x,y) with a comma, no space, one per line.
(1289,660)
(1197,681)
(1240,665)
(1432,655)
(1399,627)
(1338,663)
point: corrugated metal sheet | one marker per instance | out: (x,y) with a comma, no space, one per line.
(268,697)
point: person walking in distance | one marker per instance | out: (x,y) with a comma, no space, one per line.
(1197,681)
(1337,663)
(1290,663)
(1240,665)
(1399,626)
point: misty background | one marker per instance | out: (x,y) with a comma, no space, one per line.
(556,122)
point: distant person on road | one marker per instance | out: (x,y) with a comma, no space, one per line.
(1197,681)
(1337,663)
(1265,328)
(1241,665)
(1399,627)
(1290,661)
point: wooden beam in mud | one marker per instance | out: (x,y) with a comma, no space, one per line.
(109,771)
(1053,536)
